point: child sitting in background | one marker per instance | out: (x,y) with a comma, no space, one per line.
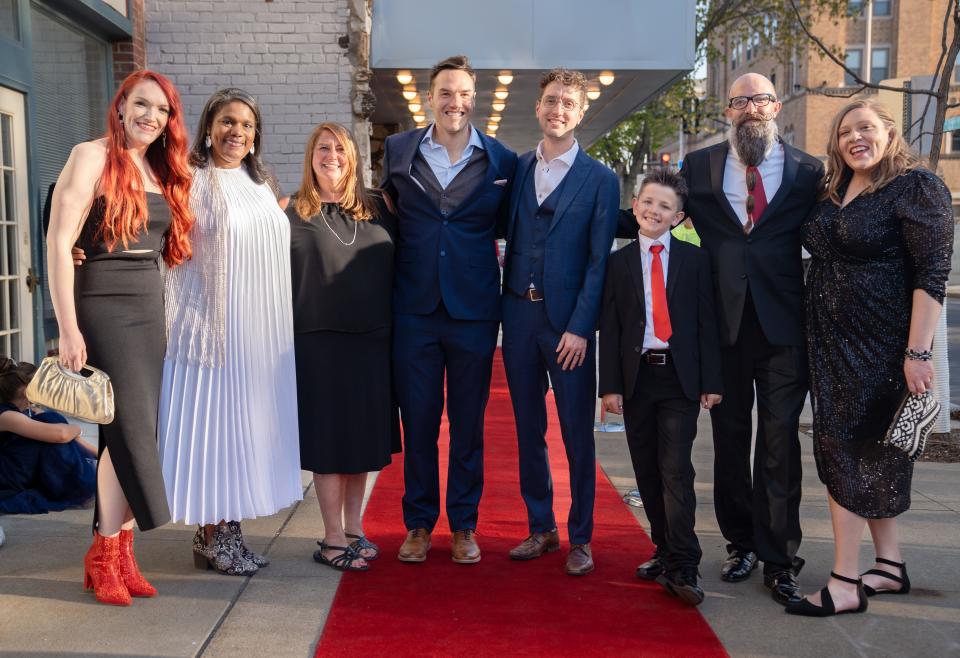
(44,466)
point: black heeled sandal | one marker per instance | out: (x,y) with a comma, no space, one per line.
(903,579)
(343,562)
(827,607)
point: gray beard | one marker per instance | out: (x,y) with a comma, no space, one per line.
(752,142)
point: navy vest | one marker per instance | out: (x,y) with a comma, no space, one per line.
(530,235)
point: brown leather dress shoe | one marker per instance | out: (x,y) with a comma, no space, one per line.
(579,560)
(465,549)
(536,545)
(415,546)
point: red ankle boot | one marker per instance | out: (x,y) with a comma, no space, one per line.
(136,584)
(101,571)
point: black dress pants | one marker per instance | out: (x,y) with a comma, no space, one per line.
(760,511)
(661,424)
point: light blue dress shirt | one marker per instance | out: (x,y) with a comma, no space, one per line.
(439,160)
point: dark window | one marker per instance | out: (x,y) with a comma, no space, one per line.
(955,142)
(9,20)
(854,7)
(881,7)
(854,62)
(879,64)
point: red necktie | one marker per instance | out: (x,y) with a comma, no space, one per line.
(658,290)
(756,198)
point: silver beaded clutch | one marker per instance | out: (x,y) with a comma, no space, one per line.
(913,423)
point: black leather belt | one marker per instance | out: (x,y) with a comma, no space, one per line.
(656,357)
(532,294)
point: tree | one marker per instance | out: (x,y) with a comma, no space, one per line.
(778,26)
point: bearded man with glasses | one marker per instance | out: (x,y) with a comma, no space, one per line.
(748,197)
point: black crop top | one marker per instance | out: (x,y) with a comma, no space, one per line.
(91,241)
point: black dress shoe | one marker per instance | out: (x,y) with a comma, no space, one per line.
(783,587)
(685,585)
(652,568)
(738,566)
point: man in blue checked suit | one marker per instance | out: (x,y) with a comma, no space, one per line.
(563,215)
(450,185)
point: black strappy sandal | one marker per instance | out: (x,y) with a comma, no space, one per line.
(343,562)
(903,579)
(361,543)
(828,609)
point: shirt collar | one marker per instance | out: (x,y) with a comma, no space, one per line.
(567,157)
(646,242)
(474,139)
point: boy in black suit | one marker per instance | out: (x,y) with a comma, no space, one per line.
(659,358)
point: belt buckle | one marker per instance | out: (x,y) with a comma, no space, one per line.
(657,359)
(533,295)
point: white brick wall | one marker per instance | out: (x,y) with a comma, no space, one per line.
(284,52)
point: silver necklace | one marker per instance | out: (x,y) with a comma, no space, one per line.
(345,244)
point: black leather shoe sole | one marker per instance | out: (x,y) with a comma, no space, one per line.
(690,594)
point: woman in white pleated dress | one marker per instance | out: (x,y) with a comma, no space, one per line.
(229,440)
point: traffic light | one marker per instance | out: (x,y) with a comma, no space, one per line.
(664,160)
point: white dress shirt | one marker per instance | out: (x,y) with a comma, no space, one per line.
(547,176)
(735,178)
(438,158)
(650,341)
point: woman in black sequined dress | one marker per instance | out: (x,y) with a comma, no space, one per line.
(881,239)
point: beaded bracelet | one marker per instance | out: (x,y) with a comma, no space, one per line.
(915,355)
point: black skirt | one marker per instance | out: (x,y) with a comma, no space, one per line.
(349,422)
(120,315)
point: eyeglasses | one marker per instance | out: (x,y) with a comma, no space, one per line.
(551,102)
(759,100)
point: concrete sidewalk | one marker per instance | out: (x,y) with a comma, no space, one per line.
(281,610)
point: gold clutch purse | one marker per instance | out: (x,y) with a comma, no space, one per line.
(72,394)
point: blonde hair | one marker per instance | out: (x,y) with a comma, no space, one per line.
(355,198)
(897,159)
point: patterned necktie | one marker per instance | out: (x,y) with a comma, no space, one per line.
(658,290)
(756,198)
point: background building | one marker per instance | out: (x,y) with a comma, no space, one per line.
(306,61)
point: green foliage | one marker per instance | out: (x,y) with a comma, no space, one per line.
(768,24)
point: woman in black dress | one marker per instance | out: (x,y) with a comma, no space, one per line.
(881,240)
(341,242)
(124,200)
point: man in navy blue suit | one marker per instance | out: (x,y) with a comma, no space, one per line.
(450,185)
(563,214)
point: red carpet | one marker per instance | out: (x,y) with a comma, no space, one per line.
(500,607)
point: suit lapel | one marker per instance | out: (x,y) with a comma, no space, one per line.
(406,164)
(572,183)
(718,162)
(635,265)
(790,166)
(524,171)
(678,253)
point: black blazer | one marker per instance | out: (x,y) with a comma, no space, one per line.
(768,260)
(694,346)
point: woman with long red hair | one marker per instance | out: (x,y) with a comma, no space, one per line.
(124,200)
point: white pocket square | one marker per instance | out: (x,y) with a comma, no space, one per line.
(501,182)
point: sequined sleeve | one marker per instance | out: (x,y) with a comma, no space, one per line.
(924,207)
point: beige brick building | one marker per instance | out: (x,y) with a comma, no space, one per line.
(903,40)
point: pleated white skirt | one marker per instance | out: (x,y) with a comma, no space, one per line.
(229,441)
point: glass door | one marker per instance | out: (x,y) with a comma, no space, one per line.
(17,280)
